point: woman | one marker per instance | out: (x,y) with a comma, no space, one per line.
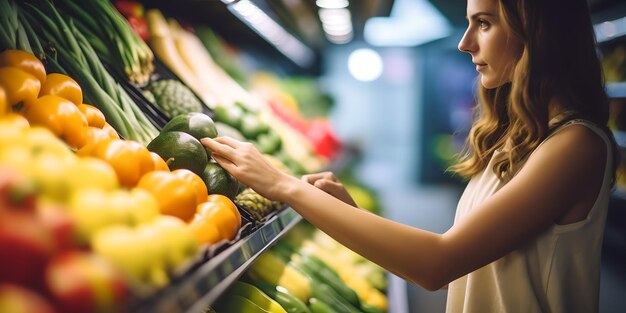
(529,226)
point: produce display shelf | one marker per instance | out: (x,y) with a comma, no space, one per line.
(616,90)
(205,284)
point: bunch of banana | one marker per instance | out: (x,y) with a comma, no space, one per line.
(255,204)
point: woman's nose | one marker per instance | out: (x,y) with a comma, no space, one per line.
(467,44)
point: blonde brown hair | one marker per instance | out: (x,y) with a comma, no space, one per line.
(558,62)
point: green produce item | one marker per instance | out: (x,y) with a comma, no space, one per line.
(69,51)
(318,306)
(221,54)
(327,294)
(255,295)
(252,125)
(324,292)
(196,124)
(327,275)
(255,204)
(318,270)
(289,302)
(230,115)
(229,131)
(148,95)
(271,269)
(112,37)
(174,98)
(368,308)
(180,150)
(237,304)
(219,181)
(269,142)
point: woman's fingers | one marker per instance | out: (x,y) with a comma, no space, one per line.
(219,146)
(312,178)
(228,165)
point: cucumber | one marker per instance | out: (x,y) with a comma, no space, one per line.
(230,303)
(289,302)
(257,296)
(318,306)
(327,275)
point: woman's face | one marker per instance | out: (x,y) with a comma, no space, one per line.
(493,48)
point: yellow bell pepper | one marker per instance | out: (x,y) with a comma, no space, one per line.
(175,195)
(21,88)
(215,221)
(195,180)
(94,134)
(111,131)
(94,116)
(24,61)
(63,86)
(13,120)
(159,163)
(61,116)
(130,159)
(95,209)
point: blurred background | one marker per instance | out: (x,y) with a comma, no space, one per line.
(398,94)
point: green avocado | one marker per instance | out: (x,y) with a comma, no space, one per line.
(219,181)
(180,150)
(196,124)
(230,115)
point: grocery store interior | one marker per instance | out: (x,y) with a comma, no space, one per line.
(375,91)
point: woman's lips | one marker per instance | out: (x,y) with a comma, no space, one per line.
(480,67)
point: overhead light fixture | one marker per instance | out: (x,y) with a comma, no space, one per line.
(336,20)
(271,31)
(610,29)
(332,4)
(411,23)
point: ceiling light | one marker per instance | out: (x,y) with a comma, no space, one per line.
(411,23)
(365,64)
(269,29)
(332,4)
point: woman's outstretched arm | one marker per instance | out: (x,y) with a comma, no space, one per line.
(558,177)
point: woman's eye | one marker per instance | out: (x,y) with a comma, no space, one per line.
(483,24)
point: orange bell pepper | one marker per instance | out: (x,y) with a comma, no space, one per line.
(111,131)
(130,159)
(59,115)
(175,195)
(227,202)
(94,116)
(159,163)
(4,106)
(24,61)
(20,86)
(214,221)
(63,86)
(94,134)
(195,181)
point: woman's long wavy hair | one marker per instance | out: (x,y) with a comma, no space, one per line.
(558,62)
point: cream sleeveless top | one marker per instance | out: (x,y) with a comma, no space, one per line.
(558,271)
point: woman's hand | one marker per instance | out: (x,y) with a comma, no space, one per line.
(329,183)
(249,166)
